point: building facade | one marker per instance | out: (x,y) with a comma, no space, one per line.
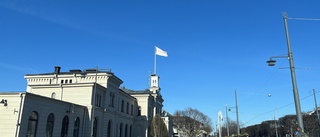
(78,103)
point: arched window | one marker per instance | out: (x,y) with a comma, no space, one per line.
(126,131)
(95,127)
(32,124)
(50,124)
(109,129)
(53,95)
(76,127)
(120,130)
(130,133)
(65,126)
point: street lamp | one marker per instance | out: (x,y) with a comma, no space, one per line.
(96,70)
(238,125)
(237,113)
(316,106)
(227,120)
(271,62)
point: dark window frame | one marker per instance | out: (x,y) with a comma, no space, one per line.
(50,125)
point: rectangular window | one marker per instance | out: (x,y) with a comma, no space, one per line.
(70,81)
(122,106)
(110,99)
(98,101)
(127,108)
(111,103)
(139,111)
(61,81)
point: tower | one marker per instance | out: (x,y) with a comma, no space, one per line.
(154,83)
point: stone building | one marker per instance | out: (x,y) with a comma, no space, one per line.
(80,104)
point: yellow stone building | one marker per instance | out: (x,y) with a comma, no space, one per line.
(80,104)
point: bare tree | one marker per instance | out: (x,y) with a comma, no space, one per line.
(232,126)
(192,122)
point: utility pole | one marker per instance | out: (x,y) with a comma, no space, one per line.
(293,76)
(315,101)
(227,120)
(275,121)
(238,126)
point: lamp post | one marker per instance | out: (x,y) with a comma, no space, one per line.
(227,120)
(238,126)
(95,102)
(293,75)
(275,121)
(237,114)
(316,106)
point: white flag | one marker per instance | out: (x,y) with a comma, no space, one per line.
(160,52)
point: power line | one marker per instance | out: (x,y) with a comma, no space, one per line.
(278,108)
(313,19)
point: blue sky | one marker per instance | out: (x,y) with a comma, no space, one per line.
(215,47)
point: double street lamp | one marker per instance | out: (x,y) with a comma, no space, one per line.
(271,62)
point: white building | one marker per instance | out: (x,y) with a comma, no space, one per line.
(79,104)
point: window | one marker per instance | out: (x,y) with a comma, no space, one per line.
(70,81)
(65,126)
(109,129)
(126,131)
(66,81)
(120,130)
(112,100)
(127,108)
(53,95)
(139,111)
(122,106)
(95,127)
(50,124)
(61,81)
(98,100)
(149,112)
(130,133)
(76,128)
(32,124)
(111,103)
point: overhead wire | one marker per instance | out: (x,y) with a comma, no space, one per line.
(314,19)
(272,75)
(279,108)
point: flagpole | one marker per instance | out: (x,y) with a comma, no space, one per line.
(155,60)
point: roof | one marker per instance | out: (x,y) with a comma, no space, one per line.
(74,71)
(11,92)
(130,91)
(78,71)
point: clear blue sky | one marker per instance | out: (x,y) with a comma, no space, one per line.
(215,47)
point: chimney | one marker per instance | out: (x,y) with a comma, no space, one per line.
(57,69)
